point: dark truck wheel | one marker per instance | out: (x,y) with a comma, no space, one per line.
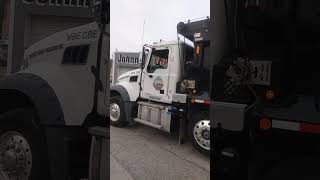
(117,112)
(22,147)
(199,129)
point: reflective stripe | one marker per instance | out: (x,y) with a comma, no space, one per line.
(295,126)
(287,125)
(200,101)
(310,128)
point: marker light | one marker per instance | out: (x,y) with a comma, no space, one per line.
(206,101)
(265,123)
(198,50)
(270,95)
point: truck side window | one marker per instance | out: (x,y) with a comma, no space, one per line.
(158,60)
(76,55)
(3,56)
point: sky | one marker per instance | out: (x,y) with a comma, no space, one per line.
(158,19)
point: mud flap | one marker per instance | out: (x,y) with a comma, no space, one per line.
(128,106)
(230,116)
(3,176)
(99,165)
(183,128)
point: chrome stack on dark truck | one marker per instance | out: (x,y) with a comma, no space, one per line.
(265,87)
(54,121)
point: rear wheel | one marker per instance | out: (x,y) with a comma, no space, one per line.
(117,112)
(22,147)
(199,129)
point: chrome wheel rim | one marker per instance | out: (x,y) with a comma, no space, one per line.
(201,133)
(15,156)
(114,112)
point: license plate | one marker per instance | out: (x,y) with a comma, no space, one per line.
(261,72)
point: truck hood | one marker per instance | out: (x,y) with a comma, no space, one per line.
(127,75)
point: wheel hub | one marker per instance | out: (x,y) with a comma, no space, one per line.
(9,159)
(206,134)
(201,133)
(15,156)
(114,112)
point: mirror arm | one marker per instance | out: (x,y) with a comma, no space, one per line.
(143,58)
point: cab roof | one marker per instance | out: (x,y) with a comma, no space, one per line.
(167,43)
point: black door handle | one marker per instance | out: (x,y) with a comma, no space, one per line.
(98,81)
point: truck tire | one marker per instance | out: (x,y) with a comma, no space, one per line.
(22,146)
(199,129)
(117,112)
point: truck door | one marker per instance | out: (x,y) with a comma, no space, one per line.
(155,76)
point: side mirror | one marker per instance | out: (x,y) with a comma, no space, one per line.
(94,71)
(100,10)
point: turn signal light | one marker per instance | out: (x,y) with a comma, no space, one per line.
(270,95)
(206,101)
(265,123)
(198,50)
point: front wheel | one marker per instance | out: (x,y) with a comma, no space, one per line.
(117,112)
(199,129)
(22,147)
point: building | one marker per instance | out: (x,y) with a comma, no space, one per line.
(124,62)
(3,57)
(4,30)
(24,22)
(4,19)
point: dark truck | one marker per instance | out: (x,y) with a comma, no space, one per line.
(265,89)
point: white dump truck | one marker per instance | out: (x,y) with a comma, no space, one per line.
(171,89)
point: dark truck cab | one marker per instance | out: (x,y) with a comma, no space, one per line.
(264,81)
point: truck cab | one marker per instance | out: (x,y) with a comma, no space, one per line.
(159,75)
(64,60)
(161,72)
(47,107)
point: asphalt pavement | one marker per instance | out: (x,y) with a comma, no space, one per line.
(139,152)
(297,163)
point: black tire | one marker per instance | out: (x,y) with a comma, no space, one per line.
(22,122)
(193,121)
(121,121)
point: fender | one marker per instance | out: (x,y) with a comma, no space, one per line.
(122,91)
(128,105)
(39,92)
